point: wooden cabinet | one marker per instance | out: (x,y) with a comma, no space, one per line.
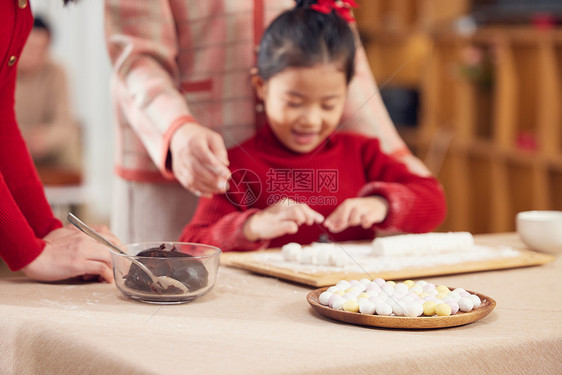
(490,118)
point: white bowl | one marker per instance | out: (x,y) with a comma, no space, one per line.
(541,230)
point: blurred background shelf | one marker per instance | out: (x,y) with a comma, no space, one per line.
(475,88)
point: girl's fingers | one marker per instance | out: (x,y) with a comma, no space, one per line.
(288,227)
(296,214)
(354,218)
(313,216)
(371,218)
(367,221)
(302,214)
(336,220)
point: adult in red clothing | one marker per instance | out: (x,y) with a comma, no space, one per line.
(31,238)
(298,177)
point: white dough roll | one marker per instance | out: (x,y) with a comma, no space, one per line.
(423,244)
(323,254)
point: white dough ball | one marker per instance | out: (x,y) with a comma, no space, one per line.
(333,289)
(344,284)
(373,288)
(396,297)
(453,305)
(383,308)
(324,257)
(429,286)
(414,309)
(476,302)
(380,282)
(465,304)
(376,300)
(401,288)
(360,287)
(339,258)
(407,299)
(291,252)
(351,295)
(421,283)
(453,296)
(388,289)
(323,246)
(365,282)
(384,298)
(324,298)
(367,307)
(337,302)
(309,255)
(416,289)
(399,308)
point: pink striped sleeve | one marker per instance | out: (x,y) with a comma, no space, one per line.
(142,44)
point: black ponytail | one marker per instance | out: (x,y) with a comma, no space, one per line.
(303,37)
(304,3)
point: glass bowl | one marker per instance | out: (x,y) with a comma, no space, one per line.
(194,265)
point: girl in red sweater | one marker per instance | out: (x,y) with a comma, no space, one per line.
(299,177)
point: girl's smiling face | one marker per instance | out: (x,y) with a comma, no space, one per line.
(303,104)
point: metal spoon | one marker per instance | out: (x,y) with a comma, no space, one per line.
(160,282)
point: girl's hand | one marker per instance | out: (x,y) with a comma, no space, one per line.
(284,217)
(353,212)
(199,159)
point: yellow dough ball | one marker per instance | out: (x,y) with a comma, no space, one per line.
(352,306)
(409,283)
(363,295)
(442,289)
(443,309)
(441,295)
(393,283)
(429,308)
(416,289)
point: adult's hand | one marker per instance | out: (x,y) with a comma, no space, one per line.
(70,253)
(199,159)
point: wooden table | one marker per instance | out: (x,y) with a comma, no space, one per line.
(257,324)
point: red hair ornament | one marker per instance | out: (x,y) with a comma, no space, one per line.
(341,7)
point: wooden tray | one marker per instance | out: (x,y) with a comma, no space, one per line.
(422,322)
(245,260)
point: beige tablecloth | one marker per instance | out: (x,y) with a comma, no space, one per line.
(254,324)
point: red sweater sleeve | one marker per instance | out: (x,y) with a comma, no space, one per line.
(416,204)
(25,215)
(218,222)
